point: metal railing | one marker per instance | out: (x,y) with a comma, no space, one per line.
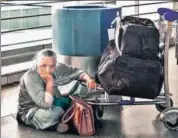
(28,16)
(40,4)
(145,4)
(28,28)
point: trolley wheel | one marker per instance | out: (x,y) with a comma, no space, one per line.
(98,112)
(162,107)
(169,117)
(171,126)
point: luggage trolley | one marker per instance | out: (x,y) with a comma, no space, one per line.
(169,115)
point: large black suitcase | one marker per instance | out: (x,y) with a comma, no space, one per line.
(129,76)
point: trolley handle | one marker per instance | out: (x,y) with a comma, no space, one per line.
(168,14)
(85,85)
(98,91)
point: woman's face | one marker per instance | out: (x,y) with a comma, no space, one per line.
(47,63)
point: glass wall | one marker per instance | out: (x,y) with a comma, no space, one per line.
(28,21)
(22,19)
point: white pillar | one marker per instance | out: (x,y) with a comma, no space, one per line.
(175,6)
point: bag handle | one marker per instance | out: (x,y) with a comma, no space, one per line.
(138,20)
(120,37)
(64,119)
(74,98)
(71,109)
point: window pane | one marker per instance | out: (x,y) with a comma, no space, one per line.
(154,7)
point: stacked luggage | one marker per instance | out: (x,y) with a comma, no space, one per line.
(133,67)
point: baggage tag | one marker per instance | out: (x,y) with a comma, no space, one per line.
(111,30)
(125,98)
(111,34)
(136,99)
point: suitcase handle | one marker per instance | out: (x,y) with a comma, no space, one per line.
(136,20)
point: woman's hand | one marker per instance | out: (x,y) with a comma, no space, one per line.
(91,84)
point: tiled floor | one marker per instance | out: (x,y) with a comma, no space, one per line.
(130,122)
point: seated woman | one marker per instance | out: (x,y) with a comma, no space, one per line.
(40,103)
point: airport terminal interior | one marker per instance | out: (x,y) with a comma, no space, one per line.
(79,32)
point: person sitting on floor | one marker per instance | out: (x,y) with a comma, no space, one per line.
(40,103)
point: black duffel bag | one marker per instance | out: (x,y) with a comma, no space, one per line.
(128,76)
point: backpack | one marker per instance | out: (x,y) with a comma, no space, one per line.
(138,38)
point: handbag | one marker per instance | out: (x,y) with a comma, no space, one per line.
(81,115)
